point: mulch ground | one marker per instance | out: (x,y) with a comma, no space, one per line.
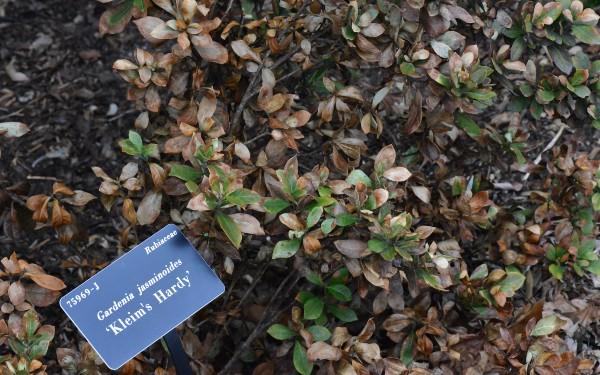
(76,109)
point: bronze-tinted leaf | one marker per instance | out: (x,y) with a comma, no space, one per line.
(198,203)
(47,281)
(386,158)
(79,198)
(422,193)
(248,224)
(149,208)
(129,211)
(398,174)
(16,293)
(352,248)
(322,351)
(415,114)
(244,51)
(146,25)
(39,205)
(291,221)
(210,50)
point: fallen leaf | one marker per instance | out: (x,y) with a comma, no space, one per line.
(15,75)
(422,193)
(13,129)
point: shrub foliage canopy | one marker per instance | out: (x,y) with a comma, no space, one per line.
(386,187)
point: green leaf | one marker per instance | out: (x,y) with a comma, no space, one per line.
(122,10)
(314,216)
(596,201)
(468,125)
(242,197)
(440,78)
(581,91)
(544,96)
(348,33)
(340,276)
(289,183)
(581,60)
(586,250)
(586,221)
(281,332)
(17,346)
(139,4)
(526,90)
(128,148)
(407,68)
(304,296)
(586,33)
(286,248)
(482,95)
(594,267)
(136,140)
(377,246)
(204,153)
(324,201)
(248,9)
(191,186)
(406,353)
(514,32)
(547,325)
(549,14)
(346,219)
(276,205)
(39,347)
(358,176)
(232,231)
(555,253)
(516,50)
(516,150)
(340,292)
(557,271)
(480,272)
(300,360)
(579,77)
(185,172)
(327,225)
(595,68)
(429,279)
(313,308)
(345,314)
(319,333)
(31,323)
(481,73)
(150,151)
(512,282)
(314,278)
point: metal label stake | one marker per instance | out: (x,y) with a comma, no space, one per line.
(180,358)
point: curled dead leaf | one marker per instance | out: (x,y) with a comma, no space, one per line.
(352,248)
(323,351)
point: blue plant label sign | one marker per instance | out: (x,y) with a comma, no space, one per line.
(141,296)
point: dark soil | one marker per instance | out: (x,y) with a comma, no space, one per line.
(67,104)
(76,109)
